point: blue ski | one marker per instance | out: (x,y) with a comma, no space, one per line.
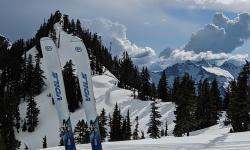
(82,64)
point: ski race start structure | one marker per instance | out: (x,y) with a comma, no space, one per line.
(81,60)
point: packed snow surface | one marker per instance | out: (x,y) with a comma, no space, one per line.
(213,138)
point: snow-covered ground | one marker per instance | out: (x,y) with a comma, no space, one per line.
(212,138)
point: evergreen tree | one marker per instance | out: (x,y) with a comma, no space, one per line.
(32,114)
(153,91)
(17,118)
(102,124)
(86,135)
(238,109)
(124,129)
(115,67)
(24,127)
(145,88)
(126,71)
(38,76)
(72,27)
(7,124)
(154,122)
(79,29)
(226,98)
(136,82)
(45,142)
(162,88)
(204,105)
(162,132)
(136,131)
(70,86)
(214,96)
(128,127)
(185,106)
(166,129)
(142,135)
(81,132)
(66,25)
(174,94)
(115,128)
(29,80)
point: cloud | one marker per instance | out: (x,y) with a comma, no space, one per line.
(223,35)
(180,55)
(114,34)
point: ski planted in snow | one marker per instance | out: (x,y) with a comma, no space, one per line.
(82,64)
(51,57)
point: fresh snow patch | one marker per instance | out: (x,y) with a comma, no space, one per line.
(219,72)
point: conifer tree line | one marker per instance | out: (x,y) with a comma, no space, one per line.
(195,109)
(237,101)
(116,127)
(21,78)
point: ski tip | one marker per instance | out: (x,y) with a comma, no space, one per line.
(45,39)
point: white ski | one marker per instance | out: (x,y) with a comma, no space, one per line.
(81,61)
(51,57)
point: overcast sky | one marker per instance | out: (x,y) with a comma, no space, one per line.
(155,24)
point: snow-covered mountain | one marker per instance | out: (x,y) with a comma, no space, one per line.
(200,70)
(106,93)
(165,53)
(232,67)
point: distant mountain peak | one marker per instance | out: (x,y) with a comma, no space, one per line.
(165,53)
(200,70)
(203,62)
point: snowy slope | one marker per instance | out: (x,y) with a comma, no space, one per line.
(107,94)
(232,67)
(213,138)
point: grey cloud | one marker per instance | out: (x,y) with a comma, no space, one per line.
(223,35)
